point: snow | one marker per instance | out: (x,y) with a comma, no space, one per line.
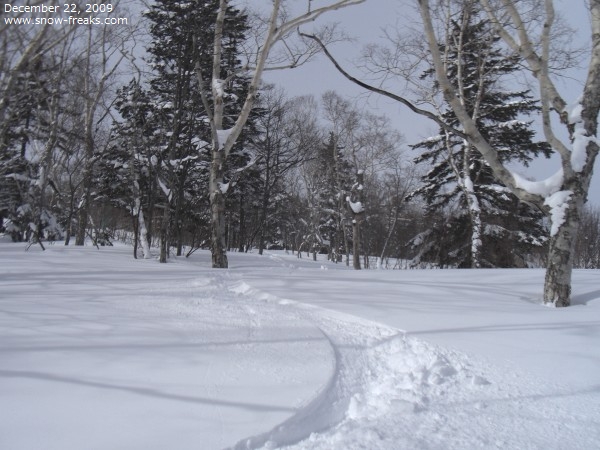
(223,135)
(218,87)
(224,187)
(165,189)
(579,151)
(545,188)
(199,143)
(103,351)
(356,207)
(558,203)
(511,124)
(580,138)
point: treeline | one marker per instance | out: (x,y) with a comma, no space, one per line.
(93,143)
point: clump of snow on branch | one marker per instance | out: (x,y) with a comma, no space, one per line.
(511,124)
(580,139)
(165,189)
(558,203)
(356,207)
(224,187)
(218,88)
(199,143)
(223,135)
(545,188)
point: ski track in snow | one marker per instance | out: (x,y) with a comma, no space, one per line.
(390,391)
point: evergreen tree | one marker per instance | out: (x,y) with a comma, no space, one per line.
(486,225)
(15,167)
(333,180)
(182,39)
(128,170)
(32,137)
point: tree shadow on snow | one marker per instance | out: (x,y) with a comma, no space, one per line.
(140,391)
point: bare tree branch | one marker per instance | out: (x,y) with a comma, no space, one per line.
(383,92)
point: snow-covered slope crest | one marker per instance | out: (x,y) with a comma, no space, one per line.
(380,374)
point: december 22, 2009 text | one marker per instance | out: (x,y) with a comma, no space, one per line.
(67,8)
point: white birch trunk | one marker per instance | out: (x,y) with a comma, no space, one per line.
(475,218)
(139,213)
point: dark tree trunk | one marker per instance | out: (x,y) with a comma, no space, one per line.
(164,234)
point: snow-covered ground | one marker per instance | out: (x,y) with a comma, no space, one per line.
(101,351)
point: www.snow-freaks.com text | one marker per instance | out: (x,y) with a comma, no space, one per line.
(61,14)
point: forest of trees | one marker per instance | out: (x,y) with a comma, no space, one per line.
(184,148)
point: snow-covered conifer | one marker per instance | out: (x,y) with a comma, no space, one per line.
(486,226)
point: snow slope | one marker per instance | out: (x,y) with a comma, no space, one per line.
(100,351)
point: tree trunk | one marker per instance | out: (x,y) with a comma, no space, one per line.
(217,210)
(84,206)
(244,243)
(143,235)
(356,244)
(355,204)
(559,267)
(43,182)
(68,230)
(136,235)
(164,234)
(388,237)
(346,245)
(82,213)
(476,225)
(179,212)
(262,223)
(140,231)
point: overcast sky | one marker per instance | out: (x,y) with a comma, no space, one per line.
(364,22)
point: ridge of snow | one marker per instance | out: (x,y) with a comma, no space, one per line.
(376,369)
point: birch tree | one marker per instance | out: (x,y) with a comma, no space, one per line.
(279,28)
(563,195)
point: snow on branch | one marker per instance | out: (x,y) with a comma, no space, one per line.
(580,137)
(165,189)
(356,207)
(222,136)
(223,187)
(544,188)
(559,204)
